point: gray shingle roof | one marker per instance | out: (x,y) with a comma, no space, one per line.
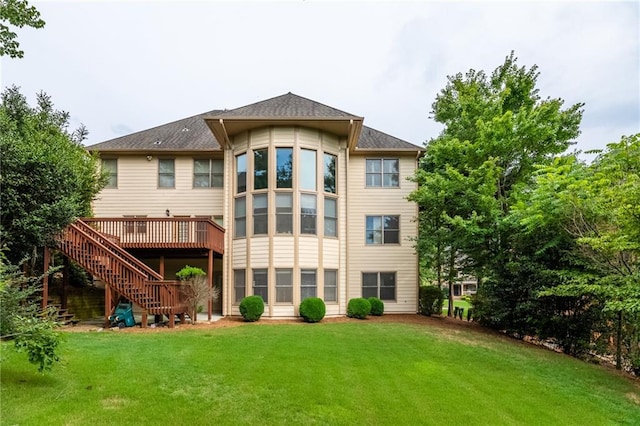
(189,133)
(192,133)
(288,105)
(375,139)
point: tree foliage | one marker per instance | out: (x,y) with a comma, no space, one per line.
(19,14)
(47,177)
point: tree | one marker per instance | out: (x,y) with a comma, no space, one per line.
(195,289)
(19,14)
(47,177)
(497,128)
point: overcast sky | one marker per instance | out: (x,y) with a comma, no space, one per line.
(121,67)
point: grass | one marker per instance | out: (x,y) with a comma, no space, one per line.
(352,373)
(456,304)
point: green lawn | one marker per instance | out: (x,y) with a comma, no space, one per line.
(456,304)
(358,372)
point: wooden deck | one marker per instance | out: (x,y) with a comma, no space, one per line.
(170,232)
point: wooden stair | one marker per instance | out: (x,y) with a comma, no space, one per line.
(122,272)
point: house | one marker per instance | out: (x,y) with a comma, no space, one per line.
(285,198)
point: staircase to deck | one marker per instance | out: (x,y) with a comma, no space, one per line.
(122,272)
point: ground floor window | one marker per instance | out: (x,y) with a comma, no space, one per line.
(261,284)
(379,284)
(308,284)
(284,285)
(239,285)
(330,285)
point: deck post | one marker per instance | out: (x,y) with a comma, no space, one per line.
(161,268)
(45,278)
(66,272)
(210,282)
(143,322)
(107,304)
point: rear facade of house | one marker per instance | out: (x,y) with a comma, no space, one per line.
(312,203)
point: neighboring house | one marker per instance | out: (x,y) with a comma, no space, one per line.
(312,202)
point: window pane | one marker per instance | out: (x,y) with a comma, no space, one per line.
(330,173)
(284,214)
(284,167)
(374,166)
(260,210)
(260,169)
(387,285)
(201,166)
(370,284)
(166,176)
(391,229)
(239,284)
(110,166)
(374,230)
(261,284)
(330,286)
(240,217)
(330,217)
(166,181)
(391,166)
(241,173)
(284,285)
(307,283)
(307,214)
(391,172)
(166,166)
(217,166)
(307,169)
(201,181)
(374,180)
(391,180)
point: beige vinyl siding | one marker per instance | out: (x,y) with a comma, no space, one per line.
(283,136)
(283,252)
(399,258)
(259,252)
(308,252)
(138,192)
(283,311)
(239,253)
(331,253)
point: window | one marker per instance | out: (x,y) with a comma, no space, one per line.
(241,217)
(330,285)
(166,173)
(260,169)
(208,173)
(284,286)
(284,213)
(307,283)
(379,284)
(383,230)
(135,227)
(261,284)
(383,172)
(307,169)
(330,218)
(308,208)
(330,173)
(110,167)
(241,173)
(284,167)
(260,217)
(239,285)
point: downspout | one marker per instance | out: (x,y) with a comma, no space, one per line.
(346,227)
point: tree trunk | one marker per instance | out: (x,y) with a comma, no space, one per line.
(452,263)
(619,342)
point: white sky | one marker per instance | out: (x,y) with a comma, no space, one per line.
(120,67)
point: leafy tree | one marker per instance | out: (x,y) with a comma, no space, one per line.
(20,320)
(195,289)
(497,128)
(47,177)
(19,14)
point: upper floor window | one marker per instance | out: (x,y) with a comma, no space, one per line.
(284,213)
(241,173)
(166,173)
(260,169)
(110,167)
(307,169)
(240,213)
(208,173)
(284,167)
(308,212)
(330,173)
(260,216)
(383,230)
(330,217)
(383,172)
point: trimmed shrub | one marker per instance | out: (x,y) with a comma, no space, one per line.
(358,308)
(377,306)
(252,308)
(431,300)
(312,309)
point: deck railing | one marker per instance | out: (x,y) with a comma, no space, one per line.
(170,232)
